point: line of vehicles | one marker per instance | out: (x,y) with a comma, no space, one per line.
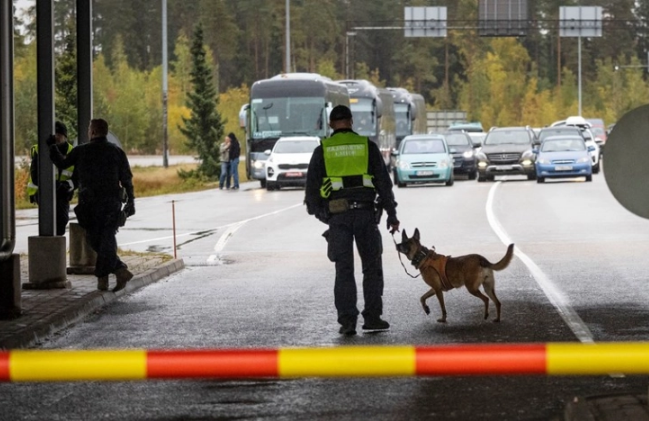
(288,114)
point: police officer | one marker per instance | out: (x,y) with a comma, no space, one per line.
(103,172)
(344,177)
(65,178)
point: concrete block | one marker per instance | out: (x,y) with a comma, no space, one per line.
(10,298)
(47,262)
(82,257)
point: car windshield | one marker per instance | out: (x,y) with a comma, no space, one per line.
(457,139)
(295,146)
(563,145)
(500,137)
(562,131)
(421,146)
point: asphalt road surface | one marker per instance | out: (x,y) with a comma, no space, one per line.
(257,276)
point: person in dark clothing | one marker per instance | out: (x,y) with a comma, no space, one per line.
(345,175)
(103,170)
(235,152)
(66,179)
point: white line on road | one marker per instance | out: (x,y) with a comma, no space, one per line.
(554,294)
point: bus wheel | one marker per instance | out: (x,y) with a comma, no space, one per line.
(263,183)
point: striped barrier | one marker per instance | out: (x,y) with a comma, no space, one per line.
(346,361)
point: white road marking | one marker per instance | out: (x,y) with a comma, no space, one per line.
(554,294)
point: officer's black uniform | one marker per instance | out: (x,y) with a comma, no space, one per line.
(101,168)
(359,224)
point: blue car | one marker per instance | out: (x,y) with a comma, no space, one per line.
(423,158)
(563,157)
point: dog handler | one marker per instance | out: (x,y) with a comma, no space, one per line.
(345,175)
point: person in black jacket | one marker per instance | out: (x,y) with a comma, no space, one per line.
(104,173)
(235,152)
(345,175)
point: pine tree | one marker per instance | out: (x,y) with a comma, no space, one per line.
(66,87)
(205,127)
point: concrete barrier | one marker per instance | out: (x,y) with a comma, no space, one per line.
(82,257)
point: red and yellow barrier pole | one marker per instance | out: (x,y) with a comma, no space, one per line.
(348,361)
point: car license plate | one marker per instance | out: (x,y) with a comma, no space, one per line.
(424,173)
(563,168)
(294,174)
(504,167)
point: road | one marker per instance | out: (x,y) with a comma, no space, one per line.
(257,276)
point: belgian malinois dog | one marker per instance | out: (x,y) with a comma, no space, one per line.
(443,273)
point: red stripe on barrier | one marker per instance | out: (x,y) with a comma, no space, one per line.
(4,367)
(481,359)
(204,364)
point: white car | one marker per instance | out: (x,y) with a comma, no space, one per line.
(288,162)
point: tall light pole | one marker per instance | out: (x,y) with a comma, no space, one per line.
(165,158)
(288,36)
(349,34)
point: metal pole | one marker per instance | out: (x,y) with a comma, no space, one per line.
(288,36)
(7,203)
(579,78)
(45,107)
(347,55)
(173,218)
(165,140)
(84,68)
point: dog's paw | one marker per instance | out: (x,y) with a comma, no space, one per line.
(427,310)
(496,320)
(442,320)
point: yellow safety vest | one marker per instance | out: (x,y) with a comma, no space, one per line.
(346,157)
(63,175)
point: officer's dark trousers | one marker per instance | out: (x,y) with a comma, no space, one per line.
(358,226)
(62,213)
(100,233)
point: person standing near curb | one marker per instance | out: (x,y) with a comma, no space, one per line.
(224,150)
(104,173)
(65,178)
(344,177)
(235,152)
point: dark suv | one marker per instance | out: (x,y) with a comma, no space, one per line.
(507,150)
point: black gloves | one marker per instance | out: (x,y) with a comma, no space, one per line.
(51,140)
(393,223)
(129,208)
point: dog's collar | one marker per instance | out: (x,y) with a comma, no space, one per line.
(419,256)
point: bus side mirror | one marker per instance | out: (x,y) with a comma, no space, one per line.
(243,115)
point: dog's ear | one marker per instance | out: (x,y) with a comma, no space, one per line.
(404,236)
(416,235)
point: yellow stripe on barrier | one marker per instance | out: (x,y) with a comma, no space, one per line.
(347,361)
(77,365)
(594,359)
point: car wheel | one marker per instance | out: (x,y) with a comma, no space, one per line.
(450,181)
(269,186)
(263,183)
(481,178)
(589,178)
(596,168)
(491,178)
(540,180)
(473,175)
(531,176)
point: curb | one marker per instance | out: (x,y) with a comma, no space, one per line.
(82,307)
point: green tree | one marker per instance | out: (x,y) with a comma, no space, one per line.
(66,87)
(204,128)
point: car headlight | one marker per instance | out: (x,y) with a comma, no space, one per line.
(527,162)
(481,156)
(468,154)
(443,164)
(543,161)
(482,164)
(258,164)
(403,165)
(582,160)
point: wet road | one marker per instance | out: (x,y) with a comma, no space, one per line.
(258,276)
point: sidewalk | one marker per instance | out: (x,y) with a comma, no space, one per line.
(45,312)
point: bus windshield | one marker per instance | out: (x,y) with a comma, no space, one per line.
(275,117)
(363,114)
(403,119)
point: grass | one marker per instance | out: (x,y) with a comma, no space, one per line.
(147,181)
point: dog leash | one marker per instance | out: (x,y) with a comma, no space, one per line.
(401,261)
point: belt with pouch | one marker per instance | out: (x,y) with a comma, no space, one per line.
(343,205)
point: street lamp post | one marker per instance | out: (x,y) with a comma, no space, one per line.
(165,158)
(288,36)
(349,34)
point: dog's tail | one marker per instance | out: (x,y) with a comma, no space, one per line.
(504,262)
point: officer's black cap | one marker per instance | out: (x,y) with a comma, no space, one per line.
(340,112)
(59,128)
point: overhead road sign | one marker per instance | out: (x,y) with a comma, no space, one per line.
(503,18)
(580,21)
(425,22)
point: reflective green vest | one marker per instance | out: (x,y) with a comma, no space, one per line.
(64,174)
(346,157)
